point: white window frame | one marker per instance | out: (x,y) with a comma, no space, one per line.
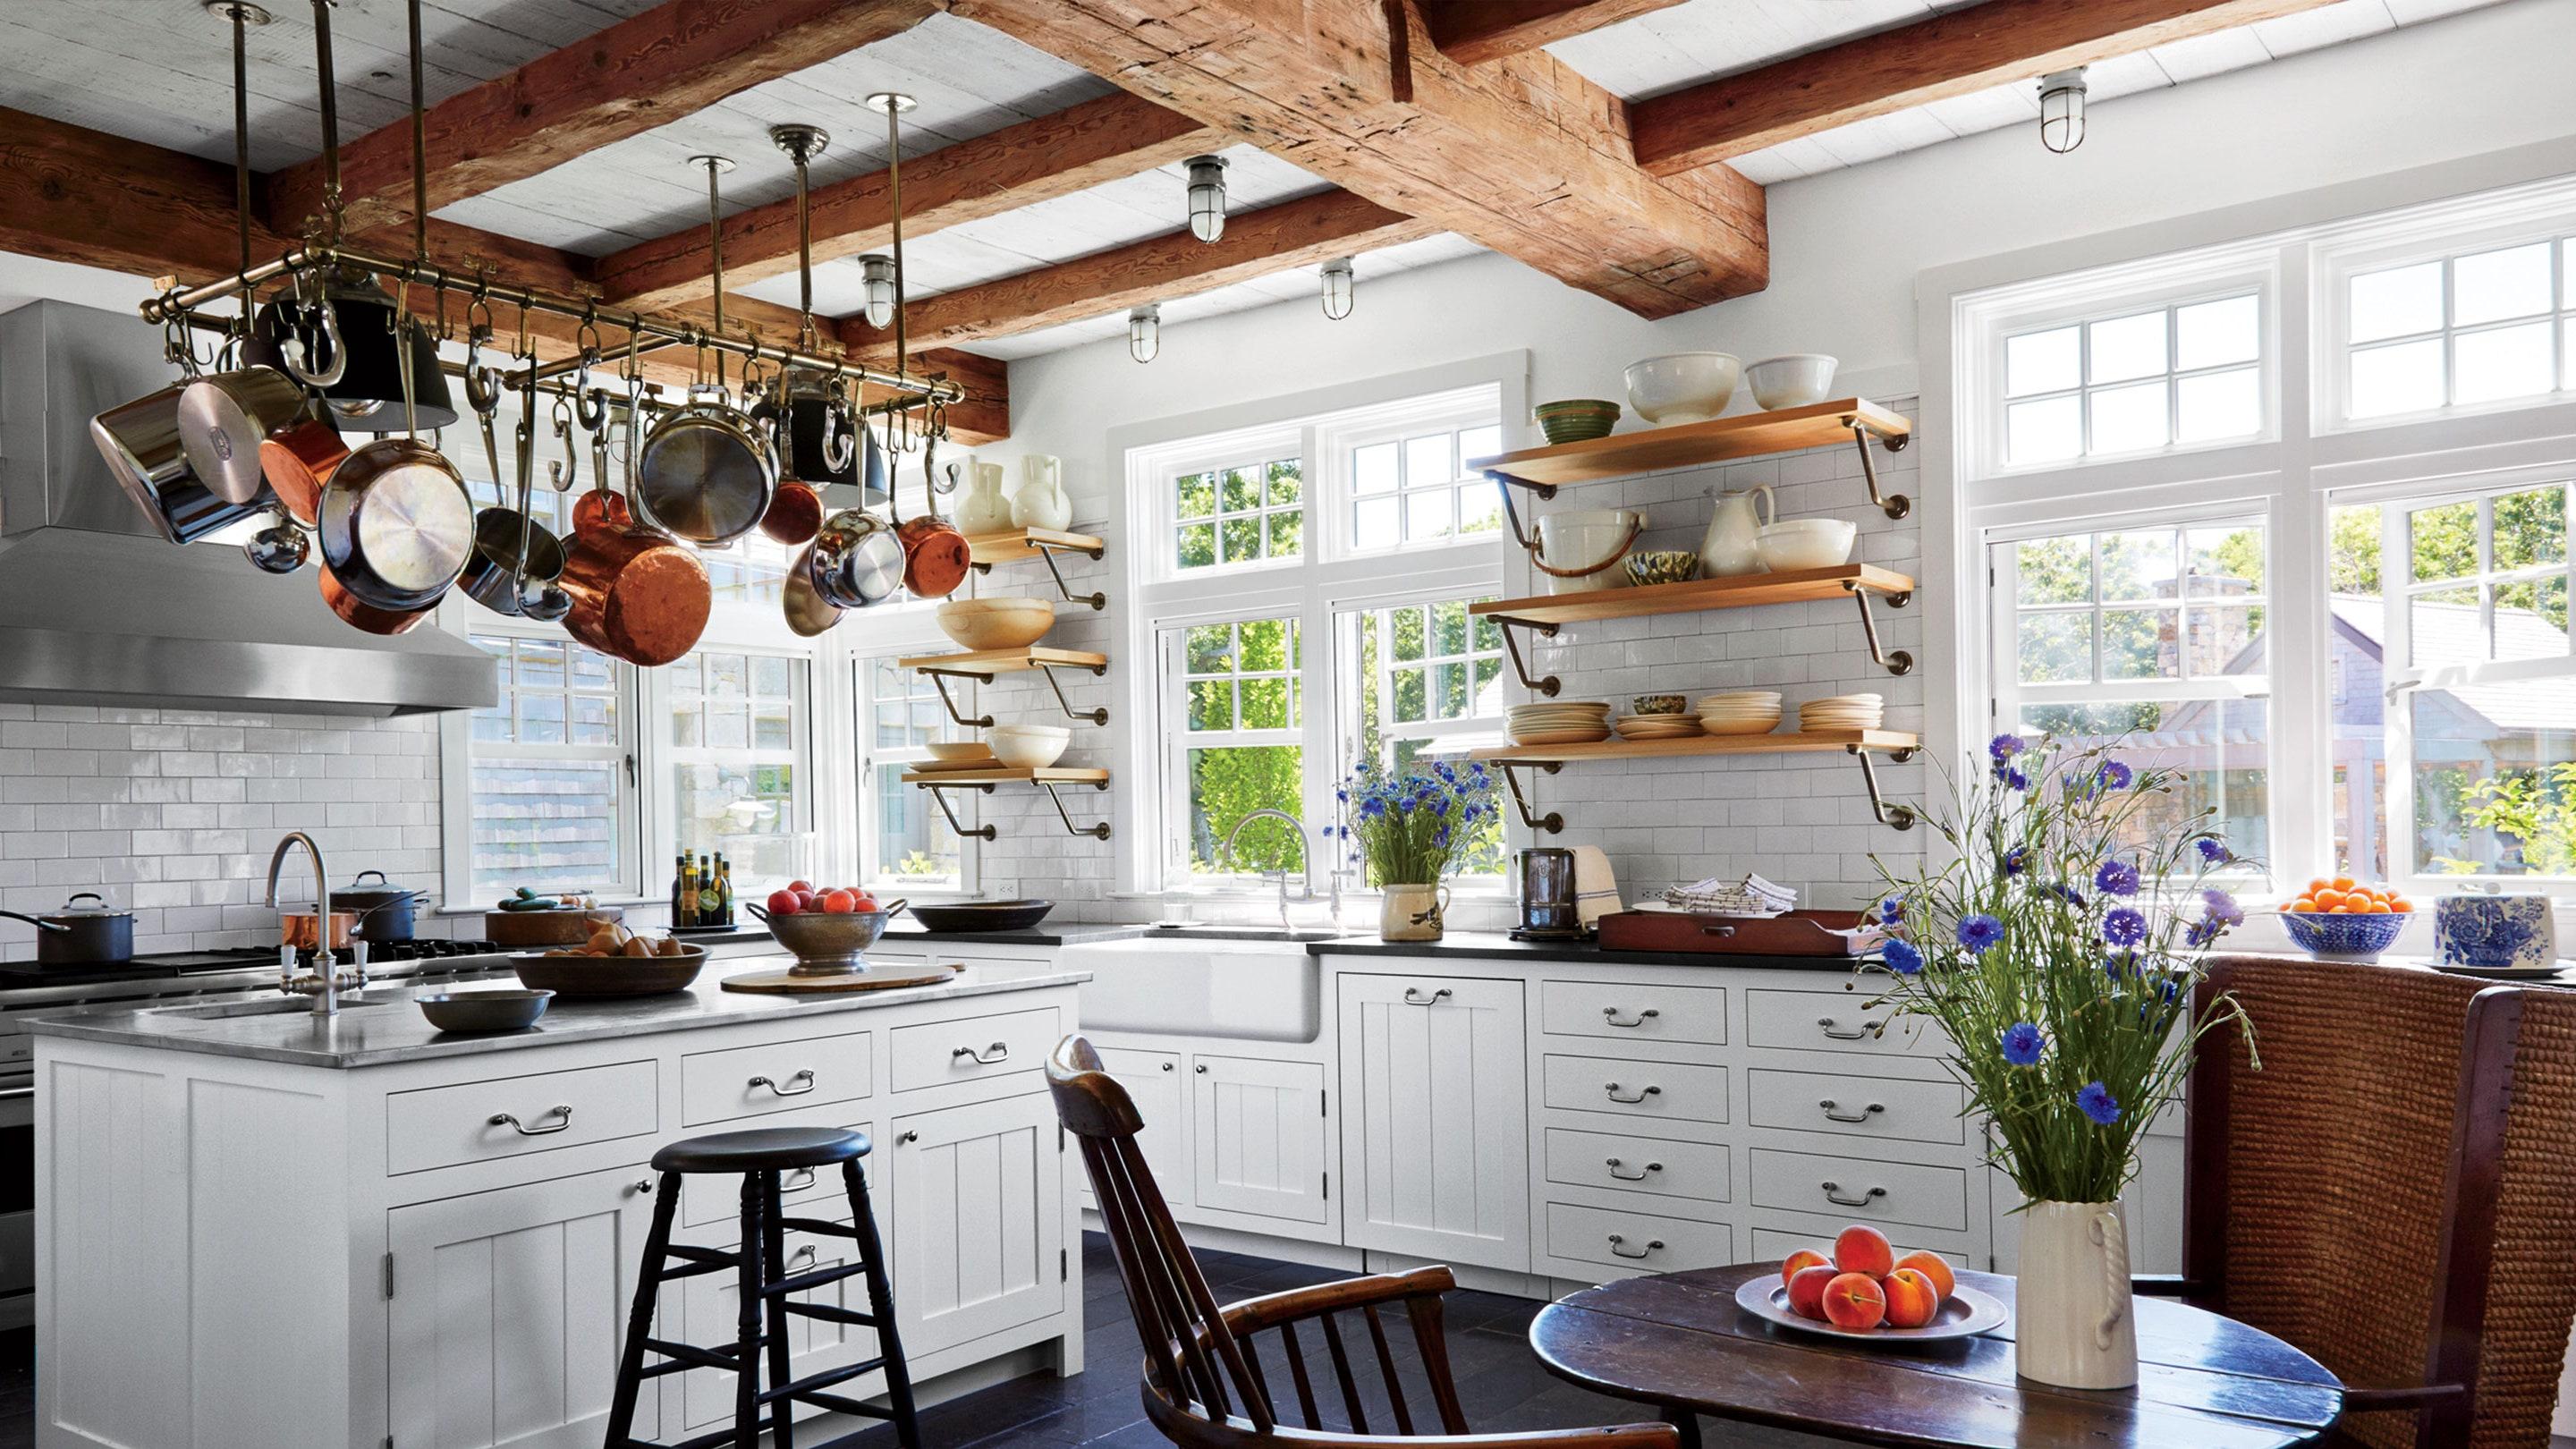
(458,892)
(1337,439)
(1171,664)
(1250,448)
(662,755)
(869,868)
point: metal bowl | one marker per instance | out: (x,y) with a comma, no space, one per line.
(825,943)
(982,915)
(503,1010)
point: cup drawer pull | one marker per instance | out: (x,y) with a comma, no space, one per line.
(1642,1093)
(1834,1113)
(1610,1014)
(806,1076)
(1637,1176)
(985,1058)
(1834,1195)
(1867,1029)
(802,1179)
(562,1112)
(1618,1245)
(1413,996)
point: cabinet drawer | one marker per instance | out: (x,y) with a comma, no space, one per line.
(478,1121)
(1837,1021)
(1633,1012)
(976,1047)
(1636,1242)
(1671,1090)
(1859,1106)
(1649,1165)
(1860,1189)
(780,1076)
(1776,1244)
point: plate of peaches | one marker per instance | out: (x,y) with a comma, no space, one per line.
(1866,1290)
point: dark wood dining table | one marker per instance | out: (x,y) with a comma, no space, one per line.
(1679,1342)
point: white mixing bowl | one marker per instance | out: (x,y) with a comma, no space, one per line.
(1683,387)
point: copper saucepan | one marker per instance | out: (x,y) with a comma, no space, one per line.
(300,458)
(935,555)
(360,614)
(296,929)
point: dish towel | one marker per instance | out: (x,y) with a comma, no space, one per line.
(1596,888)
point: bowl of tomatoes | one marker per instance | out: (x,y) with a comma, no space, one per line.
(829,930)
(2341,919)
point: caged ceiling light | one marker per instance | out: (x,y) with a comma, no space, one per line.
(1207,197)
(877,271)
(1145,332)
(1337,288)
(2061,110)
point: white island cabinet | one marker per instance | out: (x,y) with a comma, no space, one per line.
(253,1228)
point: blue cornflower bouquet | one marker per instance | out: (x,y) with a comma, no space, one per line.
(1412,828)
(2056,947)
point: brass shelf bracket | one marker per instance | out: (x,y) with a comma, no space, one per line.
(939,680)
(1899,662)
(1549,824)
(1098,716)
(1099,831)
(981,832)
(1047,551)
(1548,686)
(1505,483)
(1895,817)
(1894,505)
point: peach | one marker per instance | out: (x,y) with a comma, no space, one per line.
(1855,1301)
(1912,1299)
(1935,1267)
(1807,1290)
(1859,1249)
(1803,1258)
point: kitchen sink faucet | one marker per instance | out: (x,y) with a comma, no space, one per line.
(1297,828)
(323,983)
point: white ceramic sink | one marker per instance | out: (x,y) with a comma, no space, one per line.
(1265,989)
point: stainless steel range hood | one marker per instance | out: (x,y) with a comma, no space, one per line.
(97,608)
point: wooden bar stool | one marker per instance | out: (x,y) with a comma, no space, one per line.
(760,1155)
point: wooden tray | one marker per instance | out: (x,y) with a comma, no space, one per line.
(563,927)
(885,978)
(1799,933)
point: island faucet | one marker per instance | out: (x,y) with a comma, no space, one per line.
(1297,828)
(323,982)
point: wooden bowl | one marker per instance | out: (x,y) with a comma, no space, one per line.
(1004,623)
(608,976)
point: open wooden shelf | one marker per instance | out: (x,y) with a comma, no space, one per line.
(1751,435)
(1007,775)
(1786,743)
(1006,661)
(1738,591)
(1026,543)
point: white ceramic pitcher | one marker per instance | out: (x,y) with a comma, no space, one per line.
(1734,530)
(984,509)
(1041,503)
(2074,1325)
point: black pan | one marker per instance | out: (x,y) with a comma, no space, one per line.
(981,915)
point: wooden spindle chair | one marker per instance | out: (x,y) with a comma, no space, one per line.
(1205,1383)
(2391,1192)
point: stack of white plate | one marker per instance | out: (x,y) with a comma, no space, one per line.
(1742,712)
(1657,726)
(1555,722)
(1842,712)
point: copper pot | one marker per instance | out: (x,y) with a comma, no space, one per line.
(299,459)
(360,614)
(795,513)
(296,929)
(636,594)
(936,556)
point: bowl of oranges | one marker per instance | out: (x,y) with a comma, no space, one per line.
(2343,920)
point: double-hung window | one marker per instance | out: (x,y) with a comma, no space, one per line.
(551,793)
(902,839)
(735,753)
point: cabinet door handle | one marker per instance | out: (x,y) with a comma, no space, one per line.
(1199,1067)
(1834,1195)
(1617,1242)
(798,1181)
(805,1076)
(562,1111)
(1167,1066)
(1413,996)
(1643,1093)
(984,1058)
(1866,1028)
(805,1254)
(1835,1114)
(644,1187)
(907,1137)
(1610,1014)
(1637,1176)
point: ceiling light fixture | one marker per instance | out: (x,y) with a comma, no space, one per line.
(877,271)
(2061,110)
(1337,288)
(1207,197)
(1145,332)
(894,104)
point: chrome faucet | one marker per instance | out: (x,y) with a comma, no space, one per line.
(324,982)
(1297,828)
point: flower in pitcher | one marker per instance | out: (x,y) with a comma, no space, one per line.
(2004,747)
(2116,877)
(2124,927)
(2022,1044)
(1980,933)
(1902,958)
(2096,1102)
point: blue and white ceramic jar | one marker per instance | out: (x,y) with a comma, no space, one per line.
(2494,931)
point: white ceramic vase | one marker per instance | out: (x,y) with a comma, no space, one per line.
(1041,503)
(984,509)
(2073,1325)
(1732,544)
(1412,912)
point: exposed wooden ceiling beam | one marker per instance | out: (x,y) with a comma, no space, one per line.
(1074,149)
(1256,243)
(1472,32)
(674,59)
(1522,156)
(1955,53)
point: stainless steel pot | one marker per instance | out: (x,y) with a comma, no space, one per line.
(808,612)
(224,417)
(705,472)
(397,524)
(384,909)
(857,559)
(78,935)
(141,442)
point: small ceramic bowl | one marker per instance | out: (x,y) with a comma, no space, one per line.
(1576,419)
(1658,704)
(2331,937)
(1796,380)
(1805,543)
(1028,747)
(1663,566)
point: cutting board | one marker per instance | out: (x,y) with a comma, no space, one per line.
(888,978)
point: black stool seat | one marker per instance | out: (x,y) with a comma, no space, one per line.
(762,1149)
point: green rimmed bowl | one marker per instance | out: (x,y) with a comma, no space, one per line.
(1575,420)
(1649,566)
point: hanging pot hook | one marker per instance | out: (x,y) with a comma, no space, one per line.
(563,474)
(482,382)
(296,352)
(589,403)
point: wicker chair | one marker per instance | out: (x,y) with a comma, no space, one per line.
(1205,1386)
(2391,1192)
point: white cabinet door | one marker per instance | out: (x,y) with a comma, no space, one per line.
(1259,1144)
(1153,1082)
(1435,1102)
(507,1312)
(977,1218)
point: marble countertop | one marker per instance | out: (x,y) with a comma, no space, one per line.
(1492,944)
(383,1026)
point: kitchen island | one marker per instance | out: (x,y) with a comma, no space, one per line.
(257,1226)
